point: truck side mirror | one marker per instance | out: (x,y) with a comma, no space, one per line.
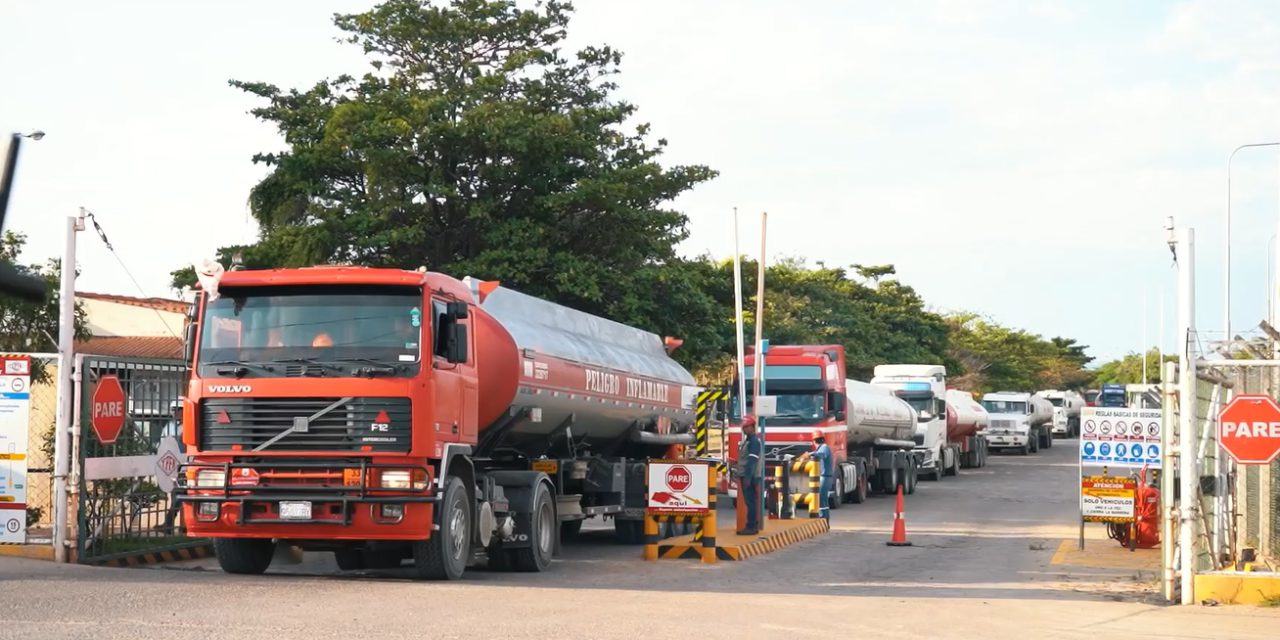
(457,310)
(189,344)
(835,405)
(456,348)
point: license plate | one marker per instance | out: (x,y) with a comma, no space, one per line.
(295,510)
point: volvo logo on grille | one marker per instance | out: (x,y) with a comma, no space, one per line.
(230,388)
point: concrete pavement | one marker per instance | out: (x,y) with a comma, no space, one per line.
(982,567)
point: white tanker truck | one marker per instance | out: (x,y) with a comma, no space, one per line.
(1019,421)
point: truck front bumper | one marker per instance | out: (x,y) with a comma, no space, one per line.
(1007,441)
(297,511)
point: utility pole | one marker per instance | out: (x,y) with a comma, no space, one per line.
(66,382)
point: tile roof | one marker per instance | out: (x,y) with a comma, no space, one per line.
(138,347)
(161,304)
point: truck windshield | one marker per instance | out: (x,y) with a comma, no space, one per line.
(1004,406)
(1057,402)
(793,408)
(313,323)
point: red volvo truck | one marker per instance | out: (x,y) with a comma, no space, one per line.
(868,429)
(387,415)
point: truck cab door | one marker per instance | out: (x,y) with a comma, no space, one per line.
(447,376)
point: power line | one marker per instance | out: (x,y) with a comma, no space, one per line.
(103,235)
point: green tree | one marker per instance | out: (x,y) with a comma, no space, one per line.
(1128,370)
(992,357)
(476,146)
(877,322)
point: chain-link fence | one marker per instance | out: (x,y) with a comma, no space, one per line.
(40,426)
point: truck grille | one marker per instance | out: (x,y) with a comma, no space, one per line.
(350,427)
(1003,426)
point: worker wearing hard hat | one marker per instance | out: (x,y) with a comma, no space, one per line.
(821,454)
(750,457)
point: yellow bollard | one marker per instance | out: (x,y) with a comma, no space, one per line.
(815,488)
(709,521)
(650,537)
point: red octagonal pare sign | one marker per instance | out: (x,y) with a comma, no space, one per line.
(107,418)
(1249,429)
(679,479)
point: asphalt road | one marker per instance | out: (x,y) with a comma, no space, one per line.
(980,567)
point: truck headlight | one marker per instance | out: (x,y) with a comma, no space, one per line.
(210,478)
(403,479)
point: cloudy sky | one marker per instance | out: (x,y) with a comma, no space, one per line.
(1016,159)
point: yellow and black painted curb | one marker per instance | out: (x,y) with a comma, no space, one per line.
(766,544)
(160,556)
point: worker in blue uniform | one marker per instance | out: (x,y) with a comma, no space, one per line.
(821,454)
(750,459)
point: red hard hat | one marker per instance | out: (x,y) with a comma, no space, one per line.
(749,421)
(817,433)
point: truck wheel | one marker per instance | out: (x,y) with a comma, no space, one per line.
(912,475)
(954,468)
(569,529)
(249,556)
(859,494)
(629,531)
(1047,441)
(837,493)
(444,555)
(543,530)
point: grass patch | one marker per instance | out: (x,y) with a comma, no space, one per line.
(1271,601)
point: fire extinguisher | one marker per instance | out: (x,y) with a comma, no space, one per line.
(1147,527)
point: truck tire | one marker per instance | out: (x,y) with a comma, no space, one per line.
(1026,448)
(249,556)
(912,474)
(444,555)
(543,531)
(837,493)
(1046,441)
(953,469)
(859,494)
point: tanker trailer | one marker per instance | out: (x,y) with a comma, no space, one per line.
(965,421)
(386,415)
(881,426)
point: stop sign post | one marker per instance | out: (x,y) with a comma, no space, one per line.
(1249,429)
(107,417)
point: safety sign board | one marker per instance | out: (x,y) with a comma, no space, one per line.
(1108,499)
(1118,437)
(678,488)
(15,413)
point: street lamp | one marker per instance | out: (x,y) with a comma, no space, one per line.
(34,135)
(1226,308)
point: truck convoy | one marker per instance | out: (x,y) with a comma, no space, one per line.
(385,415)
(1066,411)
(924,387)
(1018,421)
(966,420)
(868,429)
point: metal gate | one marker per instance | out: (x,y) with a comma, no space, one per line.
(123,514)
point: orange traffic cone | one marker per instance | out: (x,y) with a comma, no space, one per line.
(899,524)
